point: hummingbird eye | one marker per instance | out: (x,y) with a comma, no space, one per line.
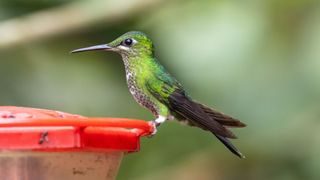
(127,42)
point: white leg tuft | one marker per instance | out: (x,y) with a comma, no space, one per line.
(160,119)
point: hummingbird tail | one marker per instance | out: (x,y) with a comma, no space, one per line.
(205,118)
(191,111)
(223,119)
(230,146)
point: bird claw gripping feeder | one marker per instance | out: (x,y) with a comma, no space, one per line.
(40,144)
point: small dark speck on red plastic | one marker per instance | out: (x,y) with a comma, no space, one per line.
(44,137)
(10,115)
(6,114)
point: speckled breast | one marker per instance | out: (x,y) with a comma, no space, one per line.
(142,98)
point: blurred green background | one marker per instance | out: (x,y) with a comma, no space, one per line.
(258,61)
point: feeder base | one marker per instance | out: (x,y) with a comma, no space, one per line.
(59,165)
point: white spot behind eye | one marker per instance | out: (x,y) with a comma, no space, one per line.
(134,41)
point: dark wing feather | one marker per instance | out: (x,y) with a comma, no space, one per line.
(179,103)
(222,118)
(192,111)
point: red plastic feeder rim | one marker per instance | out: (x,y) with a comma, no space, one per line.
(46,130)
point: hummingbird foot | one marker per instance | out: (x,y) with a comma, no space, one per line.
(156,123)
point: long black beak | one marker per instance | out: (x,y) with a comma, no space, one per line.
(93,48)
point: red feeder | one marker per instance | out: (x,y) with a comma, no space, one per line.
(40,144)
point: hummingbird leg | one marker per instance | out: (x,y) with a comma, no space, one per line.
(160,120)
(156,123)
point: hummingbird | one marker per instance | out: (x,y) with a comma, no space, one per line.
(155,89)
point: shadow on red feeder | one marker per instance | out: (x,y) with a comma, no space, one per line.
(49,145)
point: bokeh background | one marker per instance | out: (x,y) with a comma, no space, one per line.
(256,60)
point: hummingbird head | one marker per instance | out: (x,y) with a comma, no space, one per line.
(130,44)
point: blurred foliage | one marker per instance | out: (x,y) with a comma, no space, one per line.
(12,8)
(256,60)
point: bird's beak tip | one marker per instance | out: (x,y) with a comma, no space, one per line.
(73,51)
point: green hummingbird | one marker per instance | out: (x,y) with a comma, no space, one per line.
(154,88)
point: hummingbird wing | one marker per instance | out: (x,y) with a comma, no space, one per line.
(194,112)
(223,119)
(170,92)
(184,106)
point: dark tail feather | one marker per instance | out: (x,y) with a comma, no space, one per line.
(191,111)
(222,118)
(230,146)
(200,115)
